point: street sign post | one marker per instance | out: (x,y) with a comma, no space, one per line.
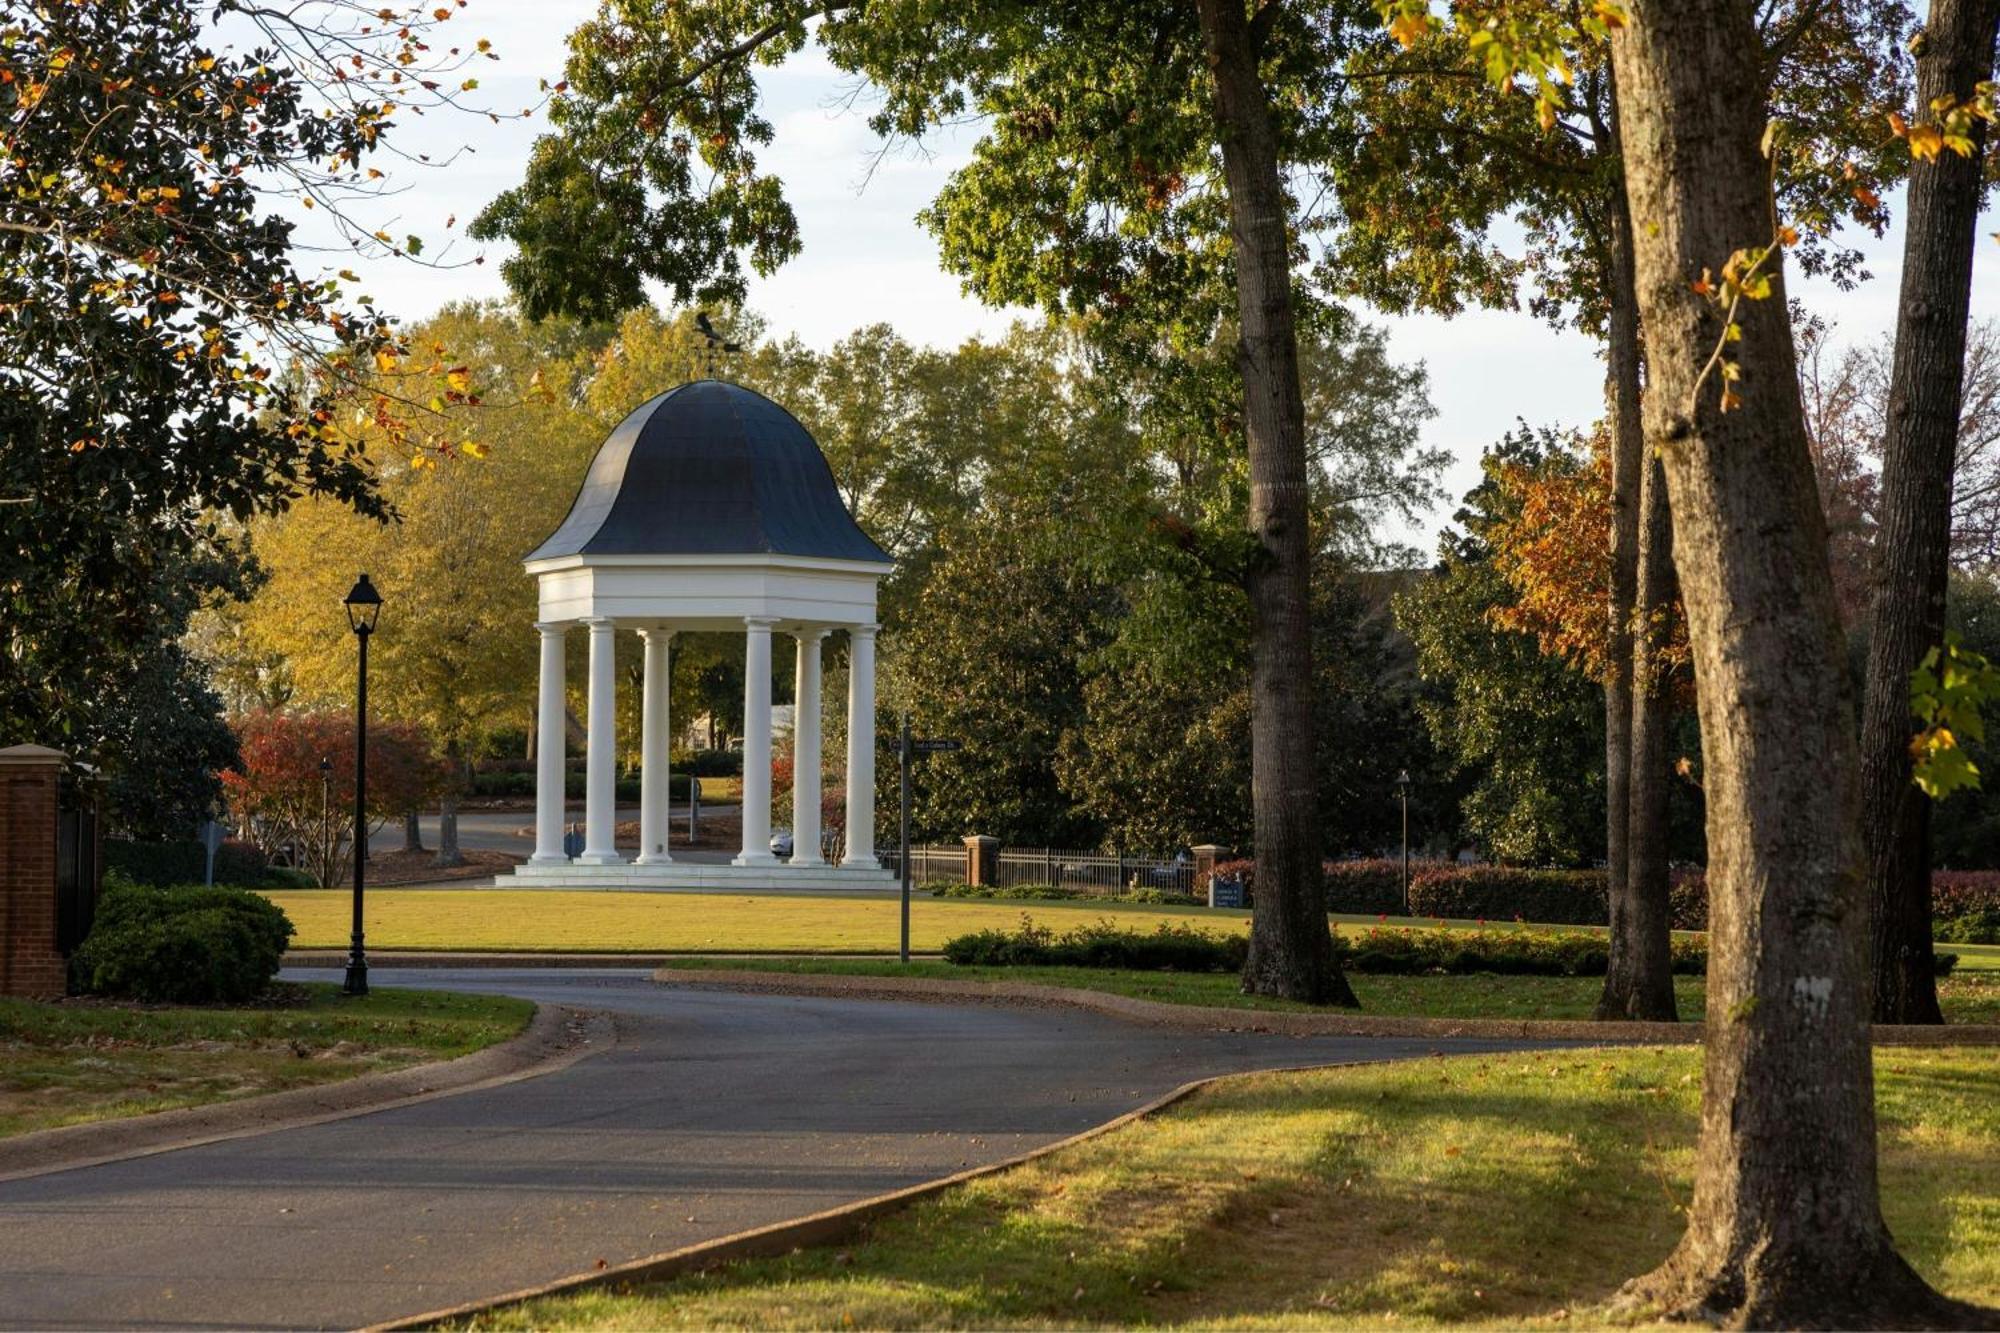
(903,836)
(212,835)
(908,748)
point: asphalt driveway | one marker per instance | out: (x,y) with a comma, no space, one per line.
(715,1112)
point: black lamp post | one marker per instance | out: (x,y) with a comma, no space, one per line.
(325,813)
(364,604)
(1403,791)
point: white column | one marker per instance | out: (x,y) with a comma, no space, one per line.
(861,749)
(654,788)
(600,781)
(756,744)
(549,749)
(805,751)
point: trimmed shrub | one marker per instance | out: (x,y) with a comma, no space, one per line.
(1054,893)
(1965,906)
(184,862)
(1537,953)
(1362,887)
(711,763)
(626,791)
(503,784)
(1504,893)
(1979,926)
(182,945)
(1102,944)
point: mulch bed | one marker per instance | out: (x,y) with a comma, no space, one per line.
(387,868)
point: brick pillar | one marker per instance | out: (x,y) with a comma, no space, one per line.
(1205,857)
(982,859)
(30,964)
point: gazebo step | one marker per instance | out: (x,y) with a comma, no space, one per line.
(702,878)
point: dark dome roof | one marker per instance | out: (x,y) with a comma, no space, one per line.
(710,469)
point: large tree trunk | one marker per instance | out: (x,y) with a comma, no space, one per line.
(1628,451)
(1291,946)
(1785,1228)
(1638,977)
(1926,383)
(448,854)
(413,830)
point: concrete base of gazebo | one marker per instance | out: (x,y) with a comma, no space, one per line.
(700,877)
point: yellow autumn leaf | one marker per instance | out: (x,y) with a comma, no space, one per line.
(459,378)
(473,449)
(1925,141)
(1408,28)
(385,361)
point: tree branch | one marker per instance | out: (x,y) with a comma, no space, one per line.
(756,39)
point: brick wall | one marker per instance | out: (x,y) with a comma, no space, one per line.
(29,962)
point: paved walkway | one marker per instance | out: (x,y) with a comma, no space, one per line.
(714,1113)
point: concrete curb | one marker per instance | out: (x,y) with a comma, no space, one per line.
(1294,1024)
(386,958)
(821,1228)
(554,1039)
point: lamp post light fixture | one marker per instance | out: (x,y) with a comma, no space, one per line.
(326,813)
(364,605)
(1403,792)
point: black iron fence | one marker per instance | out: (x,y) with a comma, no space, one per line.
(1077,871)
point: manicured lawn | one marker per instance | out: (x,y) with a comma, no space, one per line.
(553,920)
(1973,998)
(76,1060)
(1486,1191)
(560,919)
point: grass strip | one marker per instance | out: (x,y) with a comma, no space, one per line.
(1969,998)
(70,1061)
(609,921)
(1469,1192)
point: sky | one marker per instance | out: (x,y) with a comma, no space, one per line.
(865,259)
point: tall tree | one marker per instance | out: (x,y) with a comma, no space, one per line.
(453,653)
(1785,1227)
(168,366)
(1135,167)
(1440,160)
(1519,725)
(1947,188)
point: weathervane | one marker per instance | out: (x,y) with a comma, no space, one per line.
(716,342)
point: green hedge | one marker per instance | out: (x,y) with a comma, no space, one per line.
(1054,893)
(1353,888)
(626,790)
(181,945)
(1980,925)
(1166,949)
(1503,893)
(184,862)
(1403,951)
(1536,953)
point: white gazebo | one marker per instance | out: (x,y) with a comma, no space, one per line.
(709,508)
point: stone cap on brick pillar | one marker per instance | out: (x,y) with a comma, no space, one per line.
(1205,857)
(31,756)
(982,859)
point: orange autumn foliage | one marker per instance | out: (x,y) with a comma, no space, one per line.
(1555,554)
